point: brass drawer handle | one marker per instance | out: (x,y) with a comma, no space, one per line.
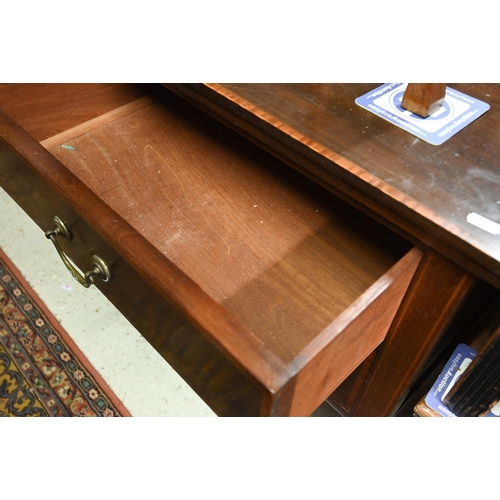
(99,267)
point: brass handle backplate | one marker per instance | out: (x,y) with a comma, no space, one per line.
(99,267)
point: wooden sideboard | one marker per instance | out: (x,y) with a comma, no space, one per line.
(276,244)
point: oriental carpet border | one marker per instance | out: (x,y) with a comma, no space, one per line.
(42,371)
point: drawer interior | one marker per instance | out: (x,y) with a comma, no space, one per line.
(280,253)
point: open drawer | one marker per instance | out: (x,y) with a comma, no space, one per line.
(262,290)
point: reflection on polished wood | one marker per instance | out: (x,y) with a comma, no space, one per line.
(423,192)
(419,191)
(264,286)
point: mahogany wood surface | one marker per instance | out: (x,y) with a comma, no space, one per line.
(199,331)
(434,297)
(318,130)
(253,234)
(208,347)
(46,109)
(424,191)
(441,306)
(316,379)
(472,325)
(345,396)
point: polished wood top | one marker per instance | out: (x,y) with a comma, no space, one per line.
(426,191)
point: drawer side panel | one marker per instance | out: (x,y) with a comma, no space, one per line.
(349,347)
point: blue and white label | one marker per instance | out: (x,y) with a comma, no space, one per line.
(456,112)
(454,368)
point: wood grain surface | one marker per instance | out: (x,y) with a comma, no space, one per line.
(228,366)
(255,235)
(47,109)
(434,297)
(426,191)
(245,275)
(424,99)
(345,346)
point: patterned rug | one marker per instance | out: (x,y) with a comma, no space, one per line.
(42,371)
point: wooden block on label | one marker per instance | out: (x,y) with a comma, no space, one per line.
(423,99)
